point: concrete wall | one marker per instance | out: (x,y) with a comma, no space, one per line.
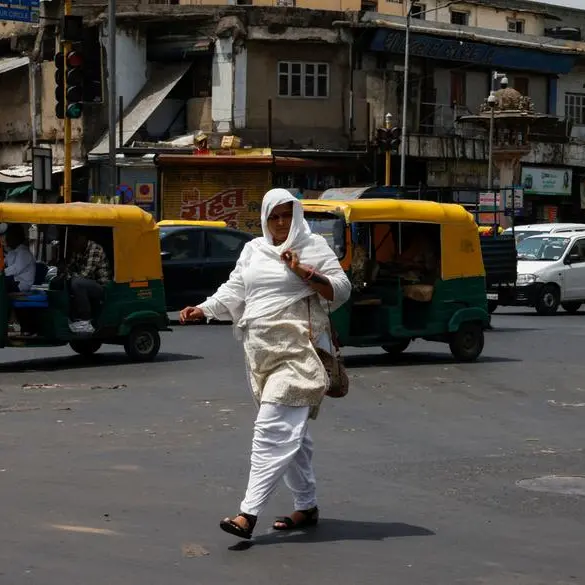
(302,120)
(479,16)
(574,82)
(131,64)
(15,124)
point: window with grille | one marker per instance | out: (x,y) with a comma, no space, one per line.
(418,11)
(575,108)
(460,18)
(515,26)
(303,80)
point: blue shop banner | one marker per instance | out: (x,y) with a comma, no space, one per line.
(445,49)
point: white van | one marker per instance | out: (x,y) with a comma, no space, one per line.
(551,272)
(525,231)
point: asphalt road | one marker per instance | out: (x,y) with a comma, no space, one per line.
(113,473)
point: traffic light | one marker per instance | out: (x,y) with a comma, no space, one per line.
(60,85)
(74,106)
(395,138)
(383,138)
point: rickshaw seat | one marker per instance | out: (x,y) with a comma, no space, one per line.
(423,293)
(34,299)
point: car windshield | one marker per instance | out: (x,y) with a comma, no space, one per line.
(331,228)
(546,248)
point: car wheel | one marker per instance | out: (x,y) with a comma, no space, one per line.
(467,343)
(395,349)
(572,307)
(143,343)
(492,306)
(85,347)
(548,300)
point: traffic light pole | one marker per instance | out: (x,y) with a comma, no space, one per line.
(112,95)
(388,125)
(67,121)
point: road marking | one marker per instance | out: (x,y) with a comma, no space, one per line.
(85,529)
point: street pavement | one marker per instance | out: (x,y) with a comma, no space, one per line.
(113,473)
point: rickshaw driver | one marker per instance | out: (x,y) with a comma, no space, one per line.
(89,270)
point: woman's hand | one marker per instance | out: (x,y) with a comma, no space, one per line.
(191,314)
(291,259)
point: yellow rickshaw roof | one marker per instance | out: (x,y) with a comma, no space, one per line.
(190,222)
(90,214)
(392,210)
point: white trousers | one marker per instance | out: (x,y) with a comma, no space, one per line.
(281,447)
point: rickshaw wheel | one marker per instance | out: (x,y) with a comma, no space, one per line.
(492,306)
(85,347)
(143,343)
(467,343)
(395,349)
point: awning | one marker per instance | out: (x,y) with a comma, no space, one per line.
(23,173)
(18,191)
(11,63)
(163,78)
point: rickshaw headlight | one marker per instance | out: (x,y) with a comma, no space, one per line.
(524,279)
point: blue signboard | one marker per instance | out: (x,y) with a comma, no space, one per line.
(20,10)
(446,49)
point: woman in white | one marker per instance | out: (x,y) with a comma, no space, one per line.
(281,280)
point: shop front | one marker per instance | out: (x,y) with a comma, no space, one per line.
(549,195)
(215,188)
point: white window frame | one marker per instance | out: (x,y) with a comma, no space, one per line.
(514,22)
(316,65)
(576,102)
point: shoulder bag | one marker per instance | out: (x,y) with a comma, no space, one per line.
(332,361)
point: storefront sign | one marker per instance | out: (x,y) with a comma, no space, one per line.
(449,49)
(489,201)
(223,206)
(542,181)
(144,196)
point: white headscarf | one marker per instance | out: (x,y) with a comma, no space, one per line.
(299,233)
(261,284)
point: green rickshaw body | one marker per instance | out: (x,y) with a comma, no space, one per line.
(133,310)
(389,307)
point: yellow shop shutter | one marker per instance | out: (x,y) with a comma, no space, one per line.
(233,195)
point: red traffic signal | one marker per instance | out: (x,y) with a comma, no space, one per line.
(75,74)
(74,59)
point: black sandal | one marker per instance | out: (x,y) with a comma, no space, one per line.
(310,518)
(228,525)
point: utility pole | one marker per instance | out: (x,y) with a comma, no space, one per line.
(67,121)
(388,125)
(405,98)
(112,106)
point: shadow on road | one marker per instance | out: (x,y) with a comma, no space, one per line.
(413,359)
(331,530)
(77,362)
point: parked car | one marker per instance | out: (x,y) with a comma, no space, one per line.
(525,231)
(197,257)
(551,272)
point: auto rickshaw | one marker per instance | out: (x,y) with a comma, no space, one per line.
(132,311)
(191,222)
(416,270)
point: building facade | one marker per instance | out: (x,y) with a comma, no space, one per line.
(314,83)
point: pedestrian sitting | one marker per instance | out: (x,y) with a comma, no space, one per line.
(281,281)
